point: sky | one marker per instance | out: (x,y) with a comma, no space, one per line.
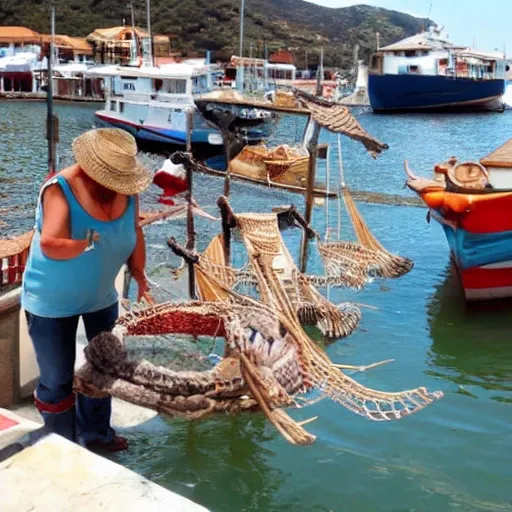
(485,24)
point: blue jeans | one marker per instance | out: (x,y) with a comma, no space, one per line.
(54,339)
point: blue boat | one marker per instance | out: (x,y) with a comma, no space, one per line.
(426,72)
(152,104)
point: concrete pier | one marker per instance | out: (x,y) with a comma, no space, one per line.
(55,474)
(41,96)
(61,476)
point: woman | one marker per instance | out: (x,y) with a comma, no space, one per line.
(86,229)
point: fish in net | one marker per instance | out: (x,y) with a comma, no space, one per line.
(268,362)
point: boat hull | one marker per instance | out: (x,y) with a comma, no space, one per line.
(153,134)
(478,228)
(407,92)
(159,135)
(483,262)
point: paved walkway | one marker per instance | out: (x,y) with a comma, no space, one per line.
(59,476)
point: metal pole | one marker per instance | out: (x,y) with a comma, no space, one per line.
(242,9)
(313,154)
(133,14)
(148,14)
(50,119)
(265,69)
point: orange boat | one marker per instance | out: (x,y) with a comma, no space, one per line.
(473,203)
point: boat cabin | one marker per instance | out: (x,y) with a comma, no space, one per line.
(257,74)
(176,83)
(429,53)
(499,166)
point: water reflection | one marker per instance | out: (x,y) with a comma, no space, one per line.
(221,462)
(472,343)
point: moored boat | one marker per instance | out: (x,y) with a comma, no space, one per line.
(152,103)
(426,72)
(473,203)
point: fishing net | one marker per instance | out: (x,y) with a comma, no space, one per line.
(268,362)
(262,238)
(355,264)
(231,352)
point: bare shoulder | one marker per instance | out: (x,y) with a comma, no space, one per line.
(55,203)
(70,172)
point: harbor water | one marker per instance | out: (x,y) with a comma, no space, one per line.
(453,455)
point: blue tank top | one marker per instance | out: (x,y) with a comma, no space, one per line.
(62,288)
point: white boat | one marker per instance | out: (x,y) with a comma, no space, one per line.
(152,103)
(426,72)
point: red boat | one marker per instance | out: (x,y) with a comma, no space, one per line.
(473,203)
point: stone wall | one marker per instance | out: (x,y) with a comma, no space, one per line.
(9,349)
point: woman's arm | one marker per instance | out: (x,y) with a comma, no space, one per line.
(56,242)
(137,260)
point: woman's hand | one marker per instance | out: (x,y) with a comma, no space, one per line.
(142,283)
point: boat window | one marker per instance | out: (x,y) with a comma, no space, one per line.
(174,86)
(199,84)
(410,53)
(415,70)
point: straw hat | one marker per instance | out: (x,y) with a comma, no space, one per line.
(109,157)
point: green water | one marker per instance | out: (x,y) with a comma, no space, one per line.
(454,455)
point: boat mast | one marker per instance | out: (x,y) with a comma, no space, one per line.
(242,9)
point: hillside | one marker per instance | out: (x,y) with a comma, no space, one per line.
(213,24)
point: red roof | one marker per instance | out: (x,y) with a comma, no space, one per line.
(18,35)
(282,57)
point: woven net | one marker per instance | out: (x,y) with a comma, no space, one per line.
(355,264)
(262,238)
(268,360)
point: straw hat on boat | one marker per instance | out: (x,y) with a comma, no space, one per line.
(109,157)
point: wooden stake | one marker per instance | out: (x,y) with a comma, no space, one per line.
(313,154)
(227,224)
(191,235)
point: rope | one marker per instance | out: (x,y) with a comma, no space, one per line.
(342,184)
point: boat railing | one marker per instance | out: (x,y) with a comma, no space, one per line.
(13,257)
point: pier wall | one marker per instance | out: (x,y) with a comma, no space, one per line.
(41,96)
(18,365)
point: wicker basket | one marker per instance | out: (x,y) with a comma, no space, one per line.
(253,154)
(285,100)
(276,168)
